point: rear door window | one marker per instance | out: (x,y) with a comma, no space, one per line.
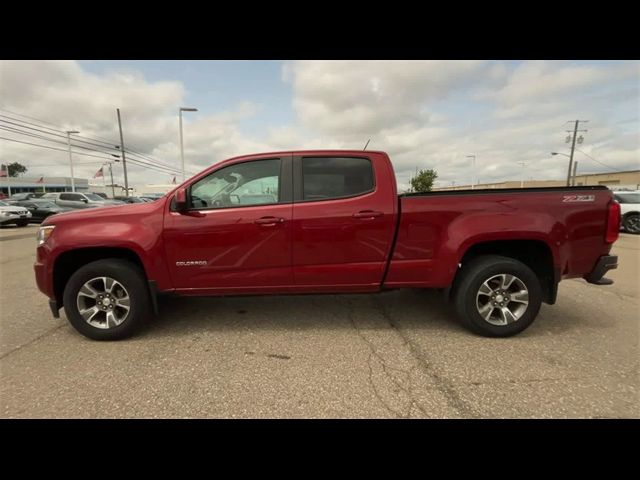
(325,178)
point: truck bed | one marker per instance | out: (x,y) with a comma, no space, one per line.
(436,229)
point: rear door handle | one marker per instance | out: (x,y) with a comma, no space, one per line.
(368,214)
(269,221)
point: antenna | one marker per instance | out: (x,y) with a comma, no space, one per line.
(365,145)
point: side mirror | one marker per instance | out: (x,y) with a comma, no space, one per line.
(181,200)
(85,200)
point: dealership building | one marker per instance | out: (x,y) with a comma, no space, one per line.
(63,184)
(41,184)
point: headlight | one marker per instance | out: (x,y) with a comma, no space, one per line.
(44,233)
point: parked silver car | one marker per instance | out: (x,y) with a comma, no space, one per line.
(13,215)
(78,200)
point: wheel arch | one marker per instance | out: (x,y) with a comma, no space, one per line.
(70,261)
(534,253)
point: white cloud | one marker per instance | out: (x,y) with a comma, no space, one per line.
(426,114)
(63,93)
(512,113)
(366,97)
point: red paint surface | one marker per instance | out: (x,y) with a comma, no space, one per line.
(340,245)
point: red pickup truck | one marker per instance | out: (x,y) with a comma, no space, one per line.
(326,221)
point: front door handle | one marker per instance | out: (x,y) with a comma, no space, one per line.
(269,221)
(368,214)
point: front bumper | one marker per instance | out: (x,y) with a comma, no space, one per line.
(9,219)
(604,264)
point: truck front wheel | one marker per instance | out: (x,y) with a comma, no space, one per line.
(497,296)
(107,299)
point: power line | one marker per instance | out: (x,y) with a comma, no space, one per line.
(51,148)
(107,142)
(58,165)
(597,161)
(30,118)
(49,133)
(136,161)
(29,134)
(150,166)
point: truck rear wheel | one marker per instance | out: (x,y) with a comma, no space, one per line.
(107,299)
(497,296)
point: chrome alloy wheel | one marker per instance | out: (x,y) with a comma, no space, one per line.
(103,302)
(502,299)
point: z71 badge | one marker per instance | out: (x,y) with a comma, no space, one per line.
(578,198)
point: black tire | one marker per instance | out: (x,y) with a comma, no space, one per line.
(127,274)
(22,223)
(474,274)
(631,223)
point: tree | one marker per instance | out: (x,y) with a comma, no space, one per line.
(423,181)
(16,169)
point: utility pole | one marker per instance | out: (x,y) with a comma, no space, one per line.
(124,161)
(523,173)
(575,168)
(180,110)
(73,183)
(573,147)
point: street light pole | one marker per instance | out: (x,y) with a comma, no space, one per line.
(73,183)
(473,176)
(180,110)
(523,173)
(564,155)
(124,159)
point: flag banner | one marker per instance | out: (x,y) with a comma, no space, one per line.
(41,180)
(99,173)
(4,172)
(174,180)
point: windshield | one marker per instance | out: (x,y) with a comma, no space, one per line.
(94,197)
(3,204)
(628,197)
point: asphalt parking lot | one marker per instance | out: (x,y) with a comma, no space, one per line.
(397,354)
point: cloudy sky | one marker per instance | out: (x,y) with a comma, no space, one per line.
(425,114)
